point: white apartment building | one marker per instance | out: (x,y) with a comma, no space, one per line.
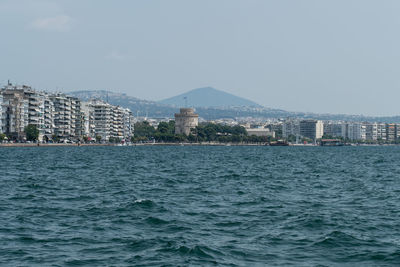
(102,119)
(2,114)
(62,116)
(110,121)
(15,109)
(381,131)
(356,131)
(371,131)
(49,126)
(88,126)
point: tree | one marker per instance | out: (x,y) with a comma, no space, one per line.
(144,129)
(32,132)
(218,132)
(98,138)
(2,137)
(55,138)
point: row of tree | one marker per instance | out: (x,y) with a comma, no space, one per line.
(31,131)
(165,132)
(204,132)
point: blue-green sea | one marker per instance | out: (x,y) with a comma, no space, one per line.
(200,206)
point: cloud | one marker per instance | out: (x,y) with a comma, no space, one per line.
(59,23)
(115,55)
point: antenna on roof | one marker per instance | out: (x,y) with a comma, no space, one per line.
(186,102)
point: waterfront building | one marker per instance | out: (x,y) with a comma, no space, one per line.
(185,120)
(313,129)
(356,131)
(333,129)
(14,112)
(102,119)
(397,131)
(371,131)
(290,127)
(381,131)
(87,120)
(62,116)
(391,132)
(260,132)
(127,124)
(1,113)
(36,106)
(48,130)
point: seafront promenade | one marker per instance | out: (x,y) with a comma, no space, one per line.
(50,145)
(134,144)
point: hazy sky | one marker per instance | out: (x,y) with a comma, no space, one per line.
(318,56)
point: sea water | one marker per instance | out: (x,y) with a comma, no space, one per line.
(196,206)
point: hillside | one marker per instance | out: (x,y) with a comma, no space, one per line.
(154,109)
(208,97)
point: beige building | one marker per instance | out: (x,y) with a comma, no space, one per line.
(260,132)
(185,120)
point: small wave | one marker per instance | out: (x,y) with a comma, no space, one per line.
(341,239)
(142,203)
(196,251)
(228,224)
(156,221)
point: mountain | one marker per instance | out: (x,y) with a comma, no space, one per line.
(139,107)
(152,109)
(208,97)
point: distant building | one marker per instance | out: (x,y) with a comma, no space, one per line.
(333,129)
(102,118)
(14,112)
(290,127)
(312,129)
(381,131)
(391,132)
(357,131)
(2,113)
(371,131)
(64,116)
(48,130)
(185,120)
(260,132)
(87,120)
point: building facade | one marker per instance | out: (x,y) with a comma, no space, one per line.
(60,117)
(313,129)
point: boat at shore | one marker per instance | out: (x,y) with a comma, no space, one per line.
(279,143)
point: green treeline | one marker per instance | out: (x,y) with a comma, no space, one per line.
(205,132)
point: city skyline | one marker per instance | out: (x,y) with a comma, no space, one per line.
(308,56)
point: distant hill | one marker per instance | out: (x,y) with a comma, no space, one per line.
(209,97)
(139,107)
(152,109)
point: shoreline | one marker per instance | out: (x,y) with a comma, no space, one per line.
(50,145)
(172,144)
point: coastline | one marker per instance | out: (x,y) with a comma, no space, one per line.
(50,145)
(171,144)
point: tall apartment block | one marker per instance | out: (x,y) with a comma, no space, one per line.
(313,129)
(290,127)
